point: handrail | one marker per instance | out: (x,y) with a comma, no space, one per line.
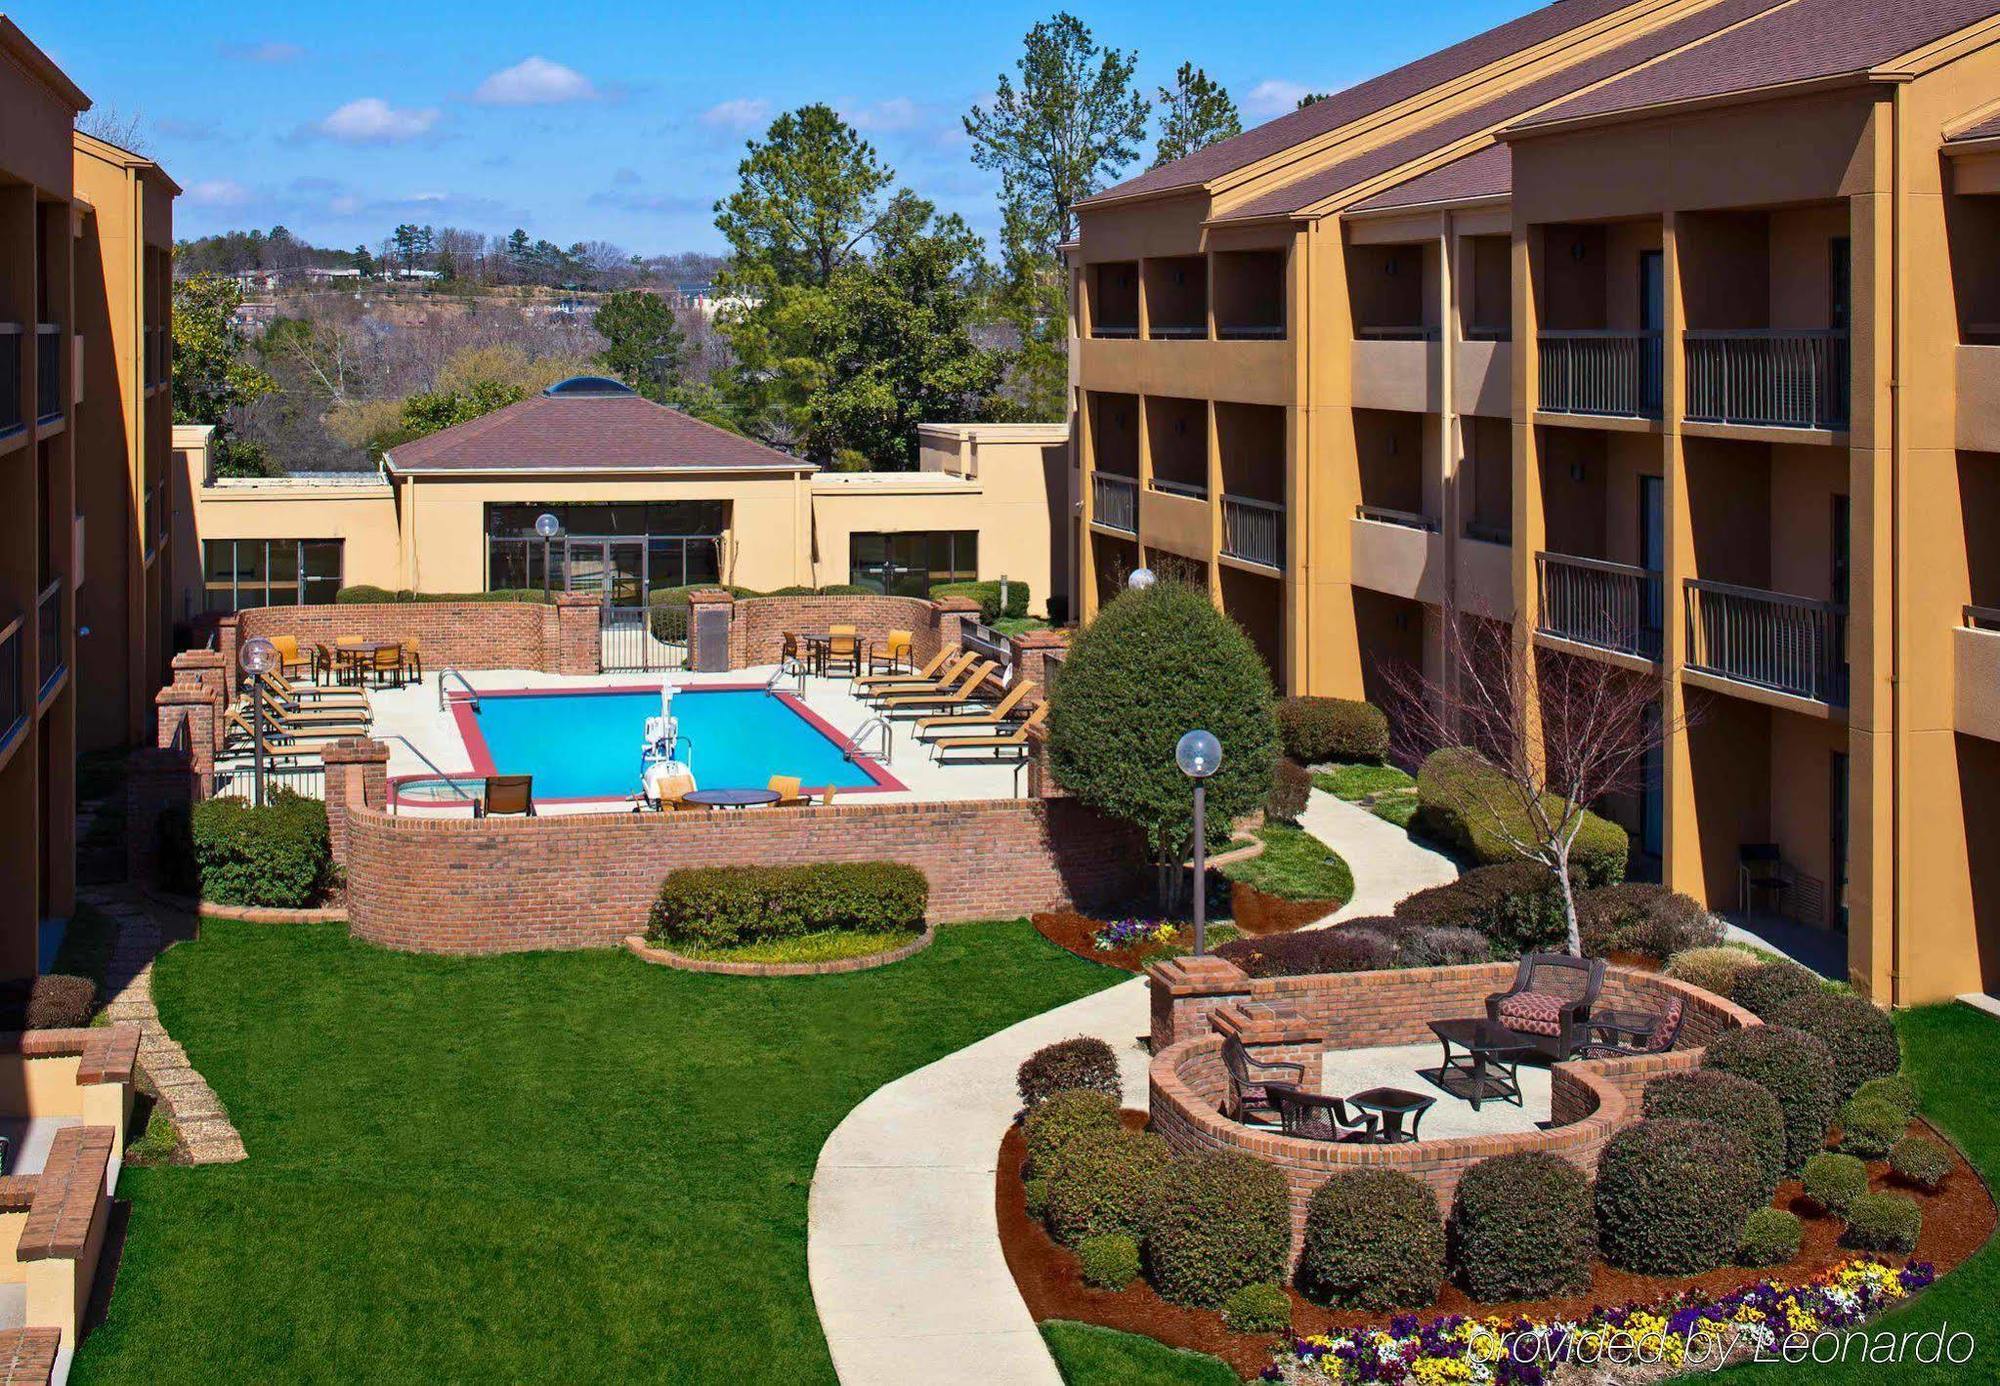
(796,671)
(872,724)
(1253,503)
(471,693)
(1976,617)
(447,776)
(1762,594)
(1188,489)
(1407,519)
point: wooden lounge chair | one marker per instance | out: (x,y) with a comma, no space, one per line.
(508,796)
(965,690)
(349,715)
(959,661)
(279,738)
(786,787)
(929,671)
(292,691)
(1015,741)
(1002,713)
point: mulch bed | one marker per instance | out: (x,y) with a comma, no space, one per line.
(1957,1221)
(1074,933)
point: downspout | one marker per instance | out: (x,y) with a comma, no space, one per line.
(1898,905)
(1303,250)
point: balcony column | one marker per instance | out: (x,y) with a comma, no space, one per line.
(1681,865)
(1441,473)
(1145,308)
(1086,541)
(1530,519)
(1323,478)
(1214,494)
(1145,465)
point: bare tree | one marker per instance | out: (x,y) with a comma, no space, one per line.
(1560,731)
(113,126)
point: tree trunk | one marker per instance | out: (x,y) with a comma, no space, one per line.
(1575,934)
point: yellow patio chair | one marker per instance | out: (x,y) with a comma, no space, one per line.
(786,787)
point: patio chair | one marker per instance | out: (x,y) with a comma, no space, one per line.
(1015,741)
(1550,1001)
(1316,1116)
(413,659)
(826,796)
(1249,1079)
(328,664)
(333,714)
(843,652)
(1761,868)
(875,690)
(923,675)
(893,653)
(1605,1040)
(291,691)
(681,805)
(507,796)
(1002,713)
(387,664)
(786,787)
(279,740)
(290,660)
(965,690)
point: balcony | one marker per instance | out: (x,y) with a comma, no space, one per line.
(49,614)
(1253,531)
(1598,372)
(1978,397)
(1187,489)
(48,368)
(1396,368)
(1611,606)
(13,707)
(1791,645)
(1485,572)
(1768,379)
(1482,380)
(1114,502)
(10,378)
(1975,655)
(1398,552)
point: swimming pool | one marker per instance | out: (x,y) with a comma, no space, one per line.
(585,745)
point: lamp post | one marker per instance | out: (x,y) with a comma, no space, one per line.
(1140,579)
(548,526)
(257,658)
(1199,755)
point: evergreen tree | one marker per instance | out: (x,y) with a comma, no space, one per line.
(644,346)
(1195,112)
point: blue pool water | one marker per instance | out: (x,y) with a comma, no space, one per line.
(586,745)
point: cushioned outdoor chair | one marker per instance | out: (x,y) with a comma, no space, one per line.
(1248,1078)
(1625,1035)
(1550,1001)
(508,795)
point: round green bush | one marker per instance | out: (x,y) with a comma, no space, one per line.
(1642,918)
(1883,1222)
(1223,1220)
(1035,1194)
(1793,1067)
(1061,1121)
(1082,1062)
(1315,730)
(1714,970)
(1109,1262)
(278,856)
(1859,1033)
(1762,989)
(1522,1227)
(1457,790)
(1673,1195)
(1869,1128)
(1921,1161)
(721,906)
(1517,905)
(1733,1103)
(1105,1183)
(1832,1181)
(1898,1090)
(1291,787)
(1258,1309)
(1374,1240)
(1770,1238)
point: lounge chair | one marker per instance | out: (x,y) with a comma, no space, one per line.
(923,675)
(287,711)
(1015,740)
(279,739)
(894,652)
(292,691)
(965,690)
(507,796)
(1250,1079)
(1550,1001)
(786,787)
(959,664)
(1001,714)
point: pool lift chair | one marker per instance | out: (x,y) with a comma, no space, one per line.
(664,773)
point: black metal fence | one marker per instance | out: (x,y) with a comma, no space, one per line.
(1613,606)
(1600,372)
(640,639)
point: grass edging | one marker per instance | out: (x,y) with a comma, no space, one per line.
(636,945)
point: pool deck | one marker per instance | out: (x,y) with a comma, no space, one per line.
(412,712)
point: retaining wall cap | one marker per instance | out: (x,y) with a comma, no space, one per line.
(1267,1022)
(66,1198)
(1202,976)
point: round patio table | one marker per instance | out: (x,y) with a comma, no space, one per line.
(731,798)
(359,654)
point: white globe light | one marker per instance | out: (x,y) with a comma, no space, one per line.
(548,526)
(258,656)
(1198,754)
(1140,580)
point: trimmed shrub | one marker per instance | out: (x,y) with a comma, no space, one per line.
(1061,1122)
(1673,1195)
(1349,947)
(366,595)
(1898,1090)
(1793,1067)
(1832,1181)
(1258,1309)
(1105,1183)
(58,1001)
(1316,730)
(1762,989)
(1223,1221)
(1082,1062)
(1291,786)
(987,594)
(722,906)
(1374,1240)
(1649,920)
(1870,1128)
(1883,1222)
(1859,1033)
(277,856)
(1035,1193)
(1921,1161)
(1712,969)
(1109,1262)
(1770,1238)
(1453,808)
(1733,1103)
(1517,905)
(1442,945)
(1522,1227)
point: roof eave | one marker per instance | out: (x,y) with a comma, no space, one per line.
(1454,204)
(672,469)
(41,66)
(1985,144)
(1746,96)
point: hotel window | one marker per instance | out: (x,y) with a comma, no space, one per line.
(909,565)
(241,573)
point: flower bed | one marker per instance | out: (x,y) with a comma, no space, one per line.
(1080,934)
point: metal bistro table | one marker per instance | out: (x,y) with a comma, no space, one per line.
(1393,1105)
(731,798)
(1491,1061)
(820,643)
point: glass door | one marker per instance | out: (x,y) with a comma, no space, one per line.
(1652,321)
(585,570)
(1653,552)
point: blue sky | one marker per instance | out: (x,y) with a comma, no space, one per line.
(623,122)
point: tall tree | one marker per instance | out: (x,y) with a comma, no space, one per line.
(211,380)
(1311,98)
(643,344)
(1195,112)
(811,194)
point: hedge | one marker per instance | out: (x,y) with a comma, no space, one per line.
(1349,947)
(1451,809)
(1104,1183)
(231,853)
(1082,1062)
(1733,1103)
(1832,1181)
(1061,1125)
(1771,1237)
(1522,1227)
(722,906)
(1517,905)
(1883,1222)
(1793,1067)
(1642,918)
(987,594)
(1714,970)
(1859,1033)
(1315,730)
(1374,1240)
(1673,1196)
(1223,1221)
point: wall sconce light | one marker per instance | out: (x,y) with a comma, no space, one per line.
(1576,471)
(1389,267)
(1577,250)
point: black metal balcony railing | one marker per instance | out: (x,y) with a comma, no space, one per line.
(1982,618)
(1408,519)
(48,368)
(1115,329)
(1792,645)
(1489,533)
(1395,332)
(1771,379)
(1250,331)
(1600,372)
(1253,530)
(1114,501)
(1186,489)
(49,615)
(13,707)
(1489,332)
(10,377)
(1613,606)
(1177,331)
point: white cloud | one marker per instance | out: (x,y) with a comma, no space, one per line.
(897,113)
(371,120)
(217,192)
(535,82)
(744,113)
(1274,96)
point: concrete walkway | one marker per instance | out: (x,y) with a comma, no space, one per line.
(1387,862)
(902,1242)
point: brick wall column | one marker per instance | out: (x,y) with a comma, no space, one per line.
(357,772)
(157,781)
(226,634)
(190,712)
(1188,991)
(578,647)
(708,600)
(948,612)
(1276,1032)
(1031,652)
(205,669)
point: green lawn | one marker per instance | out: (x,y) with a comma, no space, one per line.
(1295,865)
(823,945)
(556,1166)
(1356,782)
(1091,1356)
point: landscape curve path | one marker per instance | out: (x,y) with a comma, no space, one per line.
(1388,864)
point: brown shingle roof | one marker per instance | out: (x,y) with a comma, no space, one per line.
(549,433)
(1489,173)
(1985,129)
(1500,110)
(1342,108)
(1805,40)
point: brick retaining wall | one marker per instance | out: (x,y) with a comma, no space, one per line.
(758,624)
(559,639)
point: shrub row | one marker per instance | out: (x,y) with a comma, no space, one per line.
(1372,944)
(227,852)
(1649,920)
(1516,905)
(987,594)
(1460,799)
(363,594)
(1315,730)
(720,906)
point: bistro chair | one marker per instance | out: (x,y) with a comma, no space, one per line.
(1761,870)
(1250,1080)
(387,664)
(894,653)
(413,660)
(786,787)
(507,796)
(843,651)
(290,659)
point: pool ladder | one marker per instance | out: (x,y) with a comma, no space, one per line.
(880,724)
(471,693)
